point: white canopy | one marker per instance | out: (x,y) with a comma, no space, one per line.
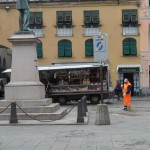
(65,66)
(129,66)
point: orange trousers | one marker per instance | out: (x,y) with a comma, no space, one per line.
(127,101)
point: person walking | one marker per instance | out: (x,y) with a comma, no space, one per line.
(127,94)
(118,89)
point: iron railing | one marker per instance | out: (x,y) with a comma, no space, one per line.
(51,1)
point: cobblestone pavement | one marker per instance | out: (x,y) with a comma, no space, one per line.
(128,131)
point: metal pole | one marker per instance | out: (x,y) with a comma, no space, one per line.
(101,79)
(13,115)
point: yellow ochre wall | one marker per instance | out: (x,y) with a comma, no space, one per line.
(110,20)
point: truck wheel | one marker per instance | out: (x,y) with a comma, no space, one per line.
(94,99)
(62,100)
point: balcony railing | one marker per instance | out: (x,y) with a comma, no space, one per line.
(130,30)
(91,31)
(61,1)
(38,32)
(64,32)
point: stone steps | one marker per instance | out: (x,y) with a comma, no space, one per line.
(39,109)
(39,116)
(35,109)
(25,103)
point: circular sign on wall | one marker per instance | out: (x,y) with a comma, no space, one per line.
(100,45)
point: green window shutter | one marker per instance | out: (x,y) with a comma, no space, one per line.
(89,48)
(87,17)
(68,49)
(133,48)
(60,16)
(126,16)
(39,50)
(38,20)
(68,16)
(126,49)
(61,52)
(95,17)
(32,20)
(133,15)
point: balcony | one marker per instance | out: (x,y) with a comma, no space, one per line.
(130,31)
(38,32)
(91,31)
(64,32)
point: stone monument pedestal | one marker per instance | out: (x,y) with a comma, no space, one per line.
(24,84)
(25,88)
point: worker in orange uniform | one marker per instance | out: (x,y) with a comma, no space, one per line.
(127,94)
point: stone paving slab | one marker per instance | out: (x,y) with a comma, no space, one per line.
(127,131)
(69,121)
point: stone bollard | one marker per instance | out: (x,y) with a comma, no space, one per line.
(84,105)
(13,115)
(80,118)
(102,115)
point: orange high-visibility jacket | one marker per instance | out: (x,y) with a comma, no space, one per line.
(125,89)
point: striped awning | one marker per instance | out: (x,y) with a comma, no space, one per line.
(129,67)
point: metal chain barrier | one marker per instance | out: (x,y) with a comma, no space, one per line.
(71,108)
(45,120)
(5,109)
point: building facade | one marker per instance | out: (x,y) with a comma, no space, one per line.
(66,31)
(145,44)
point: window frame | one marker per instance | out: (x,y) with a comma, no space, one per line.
(66,48)
(88,18)
(34,16)
(89,49)
(39,50)
(131,45)
(129,22)
(64,23)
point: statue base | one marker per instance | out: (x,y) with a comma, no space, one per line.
(24,84)
(24,32)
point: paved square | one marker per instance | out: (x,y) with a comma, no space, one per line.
(128,131)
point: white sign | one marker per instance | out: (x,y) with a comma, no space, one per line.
(100,43)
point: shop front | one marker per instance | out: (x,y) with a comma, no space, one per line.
(132,73)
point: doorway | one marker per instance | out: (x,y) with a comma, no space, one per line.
(129,76)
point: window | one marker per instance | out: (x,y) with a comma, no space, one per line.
(36,20)
(129,18)
(89,47)
(64,19)
(64,48)
(91,19)
(129,47)
(39,50)
(64,23)
(36,23)
(91,23)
